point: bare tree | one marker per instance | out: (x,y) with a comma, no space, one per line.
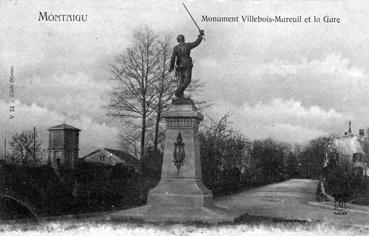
(128,142)
(25,149)
(145,87)
(135,71)
(164,86)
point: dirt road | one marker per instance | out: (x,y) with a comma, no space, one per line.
(294,200)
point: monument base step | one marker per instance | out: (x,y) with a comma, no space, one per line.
(172,192)
(209,214)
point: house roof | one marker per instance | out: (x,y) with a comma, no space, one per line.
(127,158)
(64,127)
(123,155)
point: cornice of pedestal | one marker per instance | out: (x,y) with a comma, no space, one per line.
(183,114)
(183,111)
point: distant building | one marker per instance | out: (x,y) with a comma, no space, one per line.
(63,146)
(353,147)
(112,157)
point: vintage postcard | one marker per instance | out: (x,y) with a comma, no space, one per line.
(184,117)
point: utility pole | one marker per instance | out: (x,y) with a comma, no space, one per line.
(34,146)
(4,149)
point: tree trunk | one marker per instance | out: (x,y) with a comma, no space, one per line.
(157,123)
(143,134)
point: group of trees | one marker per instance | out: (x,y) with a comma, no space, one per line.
(345,177)
(341,179)
(314,157)
(28,191)
(25,149)
(231,162)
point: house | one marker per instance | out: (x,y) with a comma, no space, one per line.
(112,157)
(353,147)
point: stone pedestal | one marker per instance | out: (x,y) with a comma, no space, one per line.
(180,195)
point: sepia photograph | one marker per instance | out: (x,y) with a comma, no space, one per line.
(168,117)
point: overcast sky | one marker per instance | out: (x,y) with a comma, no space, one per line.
(289,81)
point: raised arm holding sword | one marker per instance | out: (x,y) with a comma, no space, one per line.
(182,61)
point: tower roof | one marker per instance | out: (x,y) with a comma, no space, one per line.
(64,127)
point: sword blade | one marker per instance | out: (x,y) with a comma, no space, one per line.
(191,16)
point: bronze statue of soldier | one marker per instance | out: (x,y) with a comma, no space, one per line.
(182,62)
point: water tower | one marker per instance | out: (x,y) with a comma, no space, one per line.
(63,146)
